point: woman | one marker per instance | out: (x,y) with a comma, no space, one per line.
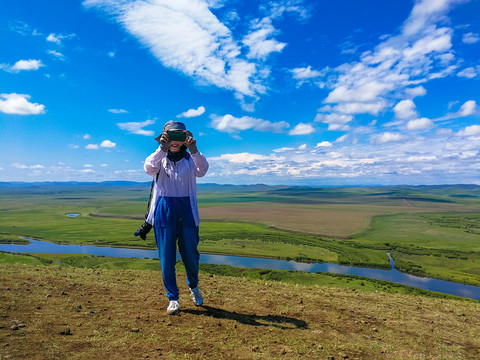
(176,213)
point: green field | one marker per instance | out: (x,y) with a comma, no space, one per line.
(432,231)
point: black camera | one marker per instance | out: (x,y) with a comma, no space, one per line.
(144,230)
(176,135)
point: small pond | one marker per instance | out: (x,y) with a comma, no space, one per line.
(73,215)
(392,275)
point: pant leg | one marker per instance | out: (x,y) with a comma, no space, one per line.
(188,239)
(165,228)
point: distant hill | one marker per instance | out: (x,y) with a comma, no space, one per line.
(74,186)
(212,187)
(457,190)
(69,183)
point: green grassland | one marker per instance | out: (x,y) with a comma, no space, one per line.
(432,231)
(8,239)
(292,277)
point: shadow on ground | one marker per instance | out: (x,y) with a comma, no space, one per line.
(281,322)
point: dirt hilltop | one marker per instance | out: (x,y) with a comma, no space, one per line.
(74,313)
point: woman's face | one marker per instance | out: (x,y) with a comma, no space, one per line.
(175,146)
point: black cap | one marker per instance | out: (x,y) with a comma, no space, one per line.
(174,125)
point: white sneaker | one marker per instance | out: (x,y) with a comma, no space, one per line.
(196,296)
(173,307)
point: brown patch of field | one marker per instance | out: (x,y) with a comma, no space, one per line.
(332,220)
(332,223)
(71,313)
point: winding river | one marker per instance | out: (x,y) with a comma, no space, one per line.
(392,275)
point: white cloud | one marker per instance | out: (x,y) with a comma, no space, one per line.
(279,8)
(58,38)
(418,159)
(470,72)
(358,92)
(386,137)
(53,38)
(335,121)
(470,38)
(305,73)
(231,124)
(424,13)
(394,158)
(27,65)
(104,144)
(398,65)
(283,149)
(87,165)
(419,124)
(242,158)
(108,144)
(416,91)
(405,109)
(129,173)
(193,112)
(342,138)
(472,130)
(252,172)
(18,104)
(258,42)
(188,37)
(438,41)
(451,104)
(23,65)
(373,107)
(324,144)
(468,108)
(23,166)
(57,55)
(22,28)
(137,127)
(468,155)
(86,136)
(302,129)
(444,132)
(19,166)
(216,4)
(118,111)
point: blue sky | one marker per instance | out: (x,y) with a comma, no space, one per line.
(347,92)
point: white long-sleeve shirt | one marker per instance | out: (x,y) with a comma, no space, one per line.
(175,179)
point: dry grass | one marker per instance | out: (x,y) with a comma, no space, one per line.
(331,223)
(331,220)
(69,313)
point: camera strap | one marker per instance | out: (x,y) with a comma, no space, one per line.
(151,194)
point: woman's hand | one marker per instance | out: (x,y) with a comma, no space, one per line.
(163,141)
(191,143)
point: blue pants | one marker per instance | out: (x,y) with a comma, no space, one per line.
(174,220)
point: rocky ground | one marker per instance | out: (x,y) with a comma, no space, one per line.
(71,313)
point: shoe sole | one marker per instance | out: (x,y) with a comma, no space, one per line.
(195,301)
(173,312)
